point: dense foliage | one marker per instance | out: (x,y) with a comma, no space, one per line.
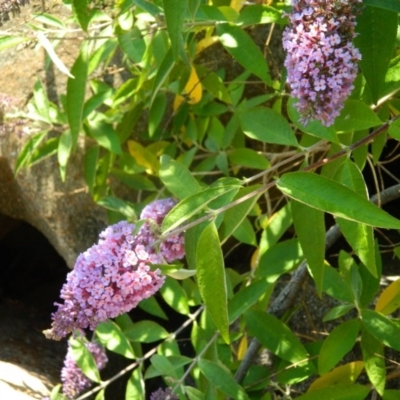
(204,114)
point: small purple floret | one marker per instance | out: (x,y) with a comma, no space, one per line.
(321,59)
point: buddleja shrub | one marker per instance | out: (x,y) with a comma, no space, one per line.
(260,167)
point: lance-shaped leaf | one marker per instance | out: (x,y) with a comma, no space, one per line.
(80,9)
(377,30)
(374,360)
(382,328)
(359,236)
(275,336)
(177,178)
(310,229)
(339,342)
(175,11)
(266,125)
(344,374)
(84,359)
(222,378)
(241,47)
(194,204)
(329,196)
(76,88)
(211,278)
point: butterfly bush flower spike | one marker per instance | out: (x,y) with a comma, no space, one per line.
(73,380)
(115,274)
(321,59)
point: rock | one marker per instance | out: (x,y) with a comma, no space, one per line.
(63,212)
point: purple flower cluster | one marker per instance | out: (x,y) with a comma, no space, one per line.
(72,377)
(321,59)
(161,394)
(113,276)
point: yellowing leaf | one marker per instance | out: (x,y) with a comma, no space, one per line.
(344,374)
(389,300)
(179,99)
(143,157)
(255,259)
(193,87)
(237,5)
(206,42)
(242,348)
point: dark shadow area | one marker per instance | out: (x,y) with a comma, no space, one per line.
(31,276)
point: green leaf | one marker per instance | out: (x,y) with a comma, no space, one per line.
(174,295)
(279,259)
(377,29)
(339,342)
(80,9)
(145,332)
(329,196)
(10,41)
(337,312)
(359,236)
(84,359)
(163,365)
(49,148)
(310,229)
(391,394)
(177,178)
(194,204)
(259,14)
(25,155)
(235,215)
(275,336)
(211,278)
(268,126)
(149,7)
(175,11)
(356,116)
(41,100)
(222,378)
(335,286)
(391,5)
(248,158)
(382,328)
(241,47)
(163,72)
(246,297)
(105,135)
(337,392)
(135,388)
(64,151)
(76,89)
(151,306)
(119,205)
(112,337)
(374,360)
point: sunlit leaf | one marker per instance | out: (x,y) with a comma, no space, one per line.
(341,375)
(239,44)
(112,337)
(211,278)
(329,196)
(266,125)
